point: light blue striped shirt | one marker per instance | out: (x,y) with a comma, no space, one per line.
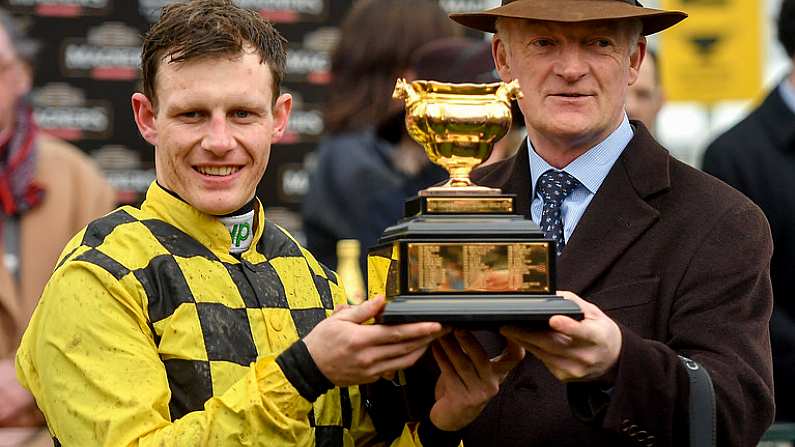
(787,92)
(590,168)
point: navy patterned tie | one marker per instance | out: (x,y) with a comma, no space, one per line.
(554,186)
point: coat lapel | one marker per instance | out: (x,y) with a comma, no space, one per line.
(778,120)
(617,215)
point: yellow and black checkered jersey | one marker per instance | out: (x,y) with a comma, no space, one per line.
(150,333)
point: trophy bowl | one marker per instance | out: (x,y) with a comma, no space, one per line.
(457,124)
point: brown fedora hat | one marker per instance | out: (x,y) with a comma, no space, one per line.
(654,20)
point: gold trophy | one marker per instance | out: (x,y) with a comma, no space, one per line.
(461,255)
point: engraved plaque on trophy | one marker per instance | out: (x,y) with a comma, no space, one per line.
(462,255)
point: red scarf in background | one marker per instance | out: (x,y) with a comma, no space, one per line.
(18,191)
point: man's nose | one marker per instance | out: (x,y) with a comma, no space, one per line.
(571,65)
(218,138)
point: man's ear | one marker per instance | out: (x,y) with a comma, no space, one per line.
(499,51)
(281,115)
(145,116)
(636,59)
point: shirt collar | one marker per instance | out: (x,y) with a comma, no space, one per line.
(206,229)
(592,167)
(787,91)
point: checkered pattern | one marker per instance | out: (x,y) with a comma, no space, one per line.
(212,318)
(554,187)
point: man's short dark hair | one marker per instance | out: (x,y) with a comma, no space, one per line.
(786,26)
(210,28)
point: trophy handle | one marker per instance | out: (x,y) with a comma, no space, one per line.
(510,91)
(404,90)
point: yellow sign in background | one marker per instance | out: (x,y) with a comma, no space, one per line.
(716,53)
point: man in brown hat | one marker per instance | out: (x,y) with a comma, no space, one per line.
(664,260)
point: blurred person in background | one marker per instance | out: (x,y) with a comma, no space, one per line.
(646,96)
(48,191)
(362,172)
(455,60)
(757,156)
(475,64)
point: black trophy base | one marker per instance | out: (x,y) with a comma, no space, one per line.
(532,312)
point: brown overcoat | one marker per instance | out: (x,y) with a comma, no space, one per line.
(681,262)
(75,193)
